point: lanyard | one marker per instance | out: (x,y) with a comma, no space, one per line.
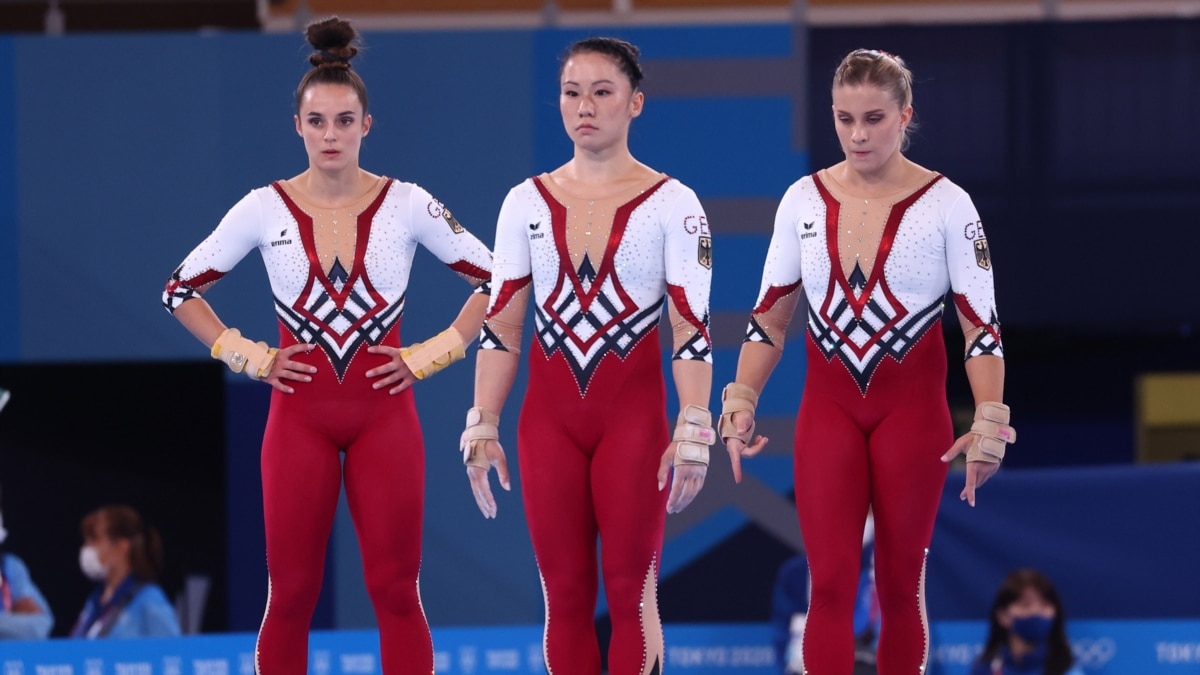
(98,618)
(5,588)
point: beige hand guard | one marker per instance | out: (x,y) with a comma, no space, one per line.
(694,433)
(242,355)
(736,398)
(426,358)
(482,426)
(992,433)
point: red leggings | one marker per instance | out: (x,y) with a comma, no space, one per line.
(302,473)
(589,470)
(882,451)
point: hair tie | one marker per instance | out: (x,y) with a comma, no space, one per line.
(329,56)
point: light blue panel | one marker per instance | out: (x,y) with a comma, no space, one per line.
(1101,647)
(1166,647)
(9,282)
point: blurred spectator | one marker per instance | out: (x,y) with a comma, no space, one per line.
(1026,630)
(124,556)
(789,610)
(24,613)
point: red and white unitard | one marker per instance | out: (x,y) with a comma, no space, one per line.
(341,307)
(593,424)
(873,420)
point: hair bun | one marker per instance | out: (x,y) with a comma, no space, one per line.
(334,40)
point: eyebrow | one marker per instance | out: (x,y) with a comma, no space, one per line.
(609,82)
(344,112)
(869,112)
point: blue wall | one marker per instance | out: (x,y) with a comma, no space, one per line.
(118,153)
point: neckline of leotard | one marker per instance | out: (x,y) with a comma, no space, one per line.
(842,194)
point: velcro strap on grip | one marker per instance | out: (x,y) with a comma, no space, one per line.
(693,435)
(687,452)
(694,424)
(242,355)
(992,433)
(482,426)
(737,398)
(429,357)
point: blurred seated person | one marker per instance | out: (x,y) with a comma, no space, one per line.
(789,609)
(24,613)
(124,557)
(1027,632)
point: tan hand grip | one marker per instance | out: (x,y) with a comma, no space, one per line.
(737,398)
(429,357)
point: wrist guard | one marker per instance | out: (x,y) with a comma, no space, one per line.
(992,433)
(242,355)
(482,426)
(426,358)
(736,398)
(693,435)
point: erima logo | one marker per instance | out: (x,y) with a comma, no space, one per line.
(807,235)
(533,228)
(281,241)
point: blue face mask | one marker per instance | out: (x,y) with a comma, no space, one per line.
(1032,629)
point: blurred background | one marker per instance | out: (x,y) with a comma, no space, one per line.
(127,129)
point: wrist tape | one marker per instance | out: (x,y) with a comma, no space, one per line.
(693,434)
(736,398)
(992,433)
(426,358)
(242,355)
(482,426)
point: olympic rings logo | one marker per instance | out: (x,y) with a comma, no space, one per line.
(1094,653)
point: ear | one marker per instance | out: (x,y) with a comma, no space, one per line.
(367,124)
(637,103)
(299,131)
(906,115)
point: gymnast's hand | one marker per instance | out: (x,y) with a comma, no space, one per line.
(978,472)
(480,456)
(284,368)
(687,479)
(742,422)
(395,371)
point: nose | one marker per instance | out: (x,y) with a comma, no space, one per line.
(859,134)
(586,107)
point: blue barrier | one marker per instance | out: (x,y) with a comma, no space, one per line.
(1102,648)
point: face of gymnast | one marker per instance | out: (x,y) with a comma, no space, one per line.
(870,126)
(332,124)
(597,102)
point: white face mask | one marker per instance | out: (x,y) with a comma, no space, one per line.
(3,532)
(89,562)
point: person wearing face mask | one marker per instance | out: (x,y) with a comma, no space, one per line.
(123,555)
(1026,630)
(24,613)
